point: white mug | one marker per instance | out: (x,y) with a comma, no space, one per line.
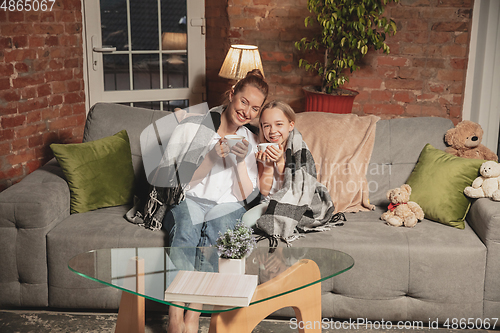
(233,139)
(263,146)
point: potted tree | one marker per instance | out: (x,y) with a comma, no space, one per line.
(347,30)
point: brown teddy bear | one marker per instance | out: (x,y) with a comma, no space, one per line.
(401,211)
(465,141)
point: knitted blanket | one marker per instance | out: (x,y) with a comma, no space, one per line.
(341,145)
(303,203)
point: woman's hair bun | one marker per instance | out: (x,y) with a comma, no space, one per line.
(255,72)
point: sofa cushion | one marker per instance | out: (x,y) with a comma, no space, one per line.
(438,182)
(99,173)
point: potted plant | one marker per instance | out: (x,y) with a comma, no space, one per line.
(347,30)
(233,246)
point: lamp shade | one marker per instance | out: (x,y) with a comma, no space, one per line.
(240,60)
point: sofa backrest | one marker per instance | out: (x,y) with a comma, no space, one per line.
(398,143)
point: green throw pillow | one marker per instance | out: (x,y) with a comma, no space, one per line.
(99,173)
(438,182)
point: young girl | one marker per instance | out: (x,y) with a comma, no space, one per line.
(294,199)
(277,120)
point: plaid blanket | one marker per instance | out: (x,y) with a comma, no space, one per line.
(186,149)
(303,203)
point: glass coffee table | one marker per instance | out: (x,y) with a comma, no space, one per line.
(286,277)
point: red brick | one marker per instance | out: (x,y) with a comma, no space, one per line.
(5,83)
(36,41)
(52,41)
(32,166)
(19,144)
(454,51)
(440,37)
(458,63)
(427,97)
(462,38)
(414,110)
(31,80)
(28,92)
(4,148)
(412,50)
(404,96)
(11,95)
(450,26)
(381,95)
(47,16)
(450,75)
(44,90)
(409,73)
(13,121)
(35,141)
(33,104)
(48,28)
(30,130)
(55,100)
(74,98)
(18,55)
(437,87)
(404,84)
(72,28)
(433,111)
(428,62)
(60,75)
(6,134)
(5,42)
(21,157)
(60,123)
(455,3)
(19,29)
(8,108)
(393,61)
(20,41)
(365,83)
(16,16)
(21,67)
(417,25)
(383,109)
(33,117)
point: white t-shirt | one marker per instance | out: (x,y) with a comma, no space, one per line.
(217,186)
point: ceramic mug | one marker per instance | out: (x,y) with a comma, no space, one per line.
(233,139)
(263,146)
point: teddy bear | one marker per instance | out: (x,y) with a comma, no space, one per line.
(401,211)
(465,141)
(488,184)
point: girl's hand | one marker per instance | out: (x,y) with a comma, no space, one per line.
(274,154)
(240,150)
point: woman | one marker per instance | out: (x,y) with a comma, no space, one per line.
(225,178)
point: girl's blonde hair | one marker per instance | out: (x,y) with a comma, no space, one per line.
(287,109)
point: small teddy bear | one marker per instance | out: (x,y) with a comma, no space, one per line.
(465,141)
(401,211)
(488,184)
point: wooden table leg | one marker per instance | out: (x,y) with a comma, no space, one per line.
(131,314)
(306,302)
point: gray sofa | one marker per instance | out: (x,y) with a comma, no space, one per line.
(431,271)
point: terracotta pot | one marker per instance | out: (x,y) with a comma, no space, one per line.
(232,266)
(321,102)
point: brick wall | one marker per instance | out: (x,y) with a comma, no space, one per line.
(41,86)
(41,62)
(424,75)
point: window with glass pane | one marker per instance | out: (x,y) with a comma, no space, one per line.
(150,37)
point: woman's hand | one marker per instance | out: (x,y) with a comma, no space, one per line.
(240,150)
(221,148)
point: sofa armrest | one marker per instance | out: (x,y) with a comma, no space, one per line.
(28,211)
(484,219)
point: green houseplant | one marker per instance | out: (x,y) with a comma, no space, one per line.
(347,30)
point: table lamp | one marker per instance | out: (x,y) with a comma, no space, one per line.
(240,60)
